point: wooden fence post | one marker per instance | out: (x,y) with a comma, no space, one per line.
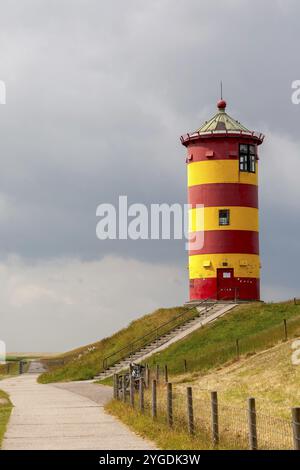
(237,346)
(252,424)
(20,367)
(169,405)
(147,376)
(296,427)
(154,400)
(190,411)
(157,373)
(141,395)
(214,418)
(285,330)
(166,374)
(185,366)
(124,388)
(117,387)
(131,390)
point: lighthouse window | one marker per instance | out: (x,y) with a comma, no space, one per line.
(224,216)
(247,158)
(252,163)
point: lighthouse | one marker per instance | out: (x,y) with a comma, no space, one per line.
(222,169)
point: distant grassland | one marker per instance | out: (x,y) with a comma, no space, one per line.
(84,363)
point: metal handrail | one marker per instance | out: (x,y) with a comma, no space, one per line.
(154,331)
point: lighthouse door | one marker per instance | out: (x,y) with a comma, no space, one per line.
(225,284)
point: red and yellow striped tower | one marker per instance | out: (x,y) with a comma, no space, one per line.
(222,165)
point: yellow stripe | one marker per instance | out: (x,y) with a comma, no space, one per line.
(241,218)
(219,171)
(244,265)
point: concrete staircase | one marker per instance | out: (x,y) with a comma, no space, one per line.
(207,314)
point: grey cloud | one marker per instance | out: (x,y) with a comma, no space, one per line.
(60,304)
(98,94)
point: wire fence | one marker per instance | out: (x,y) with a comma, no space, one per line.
(204,414)
(221,425)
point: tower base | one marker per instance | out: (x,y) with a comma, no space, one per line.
(245,288)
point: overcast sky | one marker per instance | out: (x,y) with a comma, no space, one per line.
(98,94)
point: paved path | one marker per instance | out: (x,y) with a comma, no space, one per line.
(63,416)
(36,367)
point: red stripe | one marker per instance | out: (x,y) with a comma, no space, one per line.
(247,288)
(224,194)
(203,288)
(226,241)
(218,149)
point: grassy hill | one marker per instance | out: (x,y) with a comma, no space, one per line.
(269,376)
(256,326)
(84,363)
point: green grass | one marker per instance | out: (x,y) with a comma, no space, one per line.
(108,381)
(82,363)
(269,376)
(156,431)
(210,353)
(257,326)
(5,410)
(13,369)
